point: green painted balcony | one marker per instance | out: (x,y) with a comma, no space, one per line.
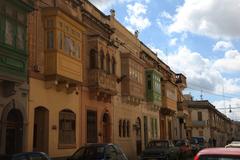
(13,40)
(153,87)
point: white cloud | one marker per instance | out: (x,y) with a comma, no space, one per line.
(166,15)
(201,72)
(105,5)
(222,46)
(173,41)
(130,29)
(213,18)
(230,62)
(195,67)
(161,25)
(230,86)
(184,36)
(164,20)
(128,1)
(136,16)
(158,51)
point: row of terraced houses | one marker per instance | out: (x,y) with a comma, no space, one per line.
(71,75)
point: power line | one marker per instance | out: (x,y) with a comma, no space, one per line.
(197,88)
(231,108)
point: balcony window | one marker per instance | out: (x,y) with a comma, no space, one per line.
(12,26)
(1,27)
(113,65)
(102,57)
(124,128)
(128,129)
(93,59)
(60,41)
(20,37)
(108,64)
(149,85)
(200,116)
(68,45)
(73,49)
(67,127)
(21,17)
(135,72)
(77,51)
(120,128)
(50,40)
(9,34)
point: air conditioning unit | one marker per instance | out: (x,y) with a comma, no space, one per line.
(36,68)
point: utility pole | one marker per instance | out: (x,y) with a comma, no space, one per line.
(225,110)
(201,96)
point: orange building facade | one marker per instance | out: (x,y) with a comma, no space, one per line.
(92,81)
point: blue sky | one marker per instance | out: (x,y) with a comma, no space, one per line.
(197,38)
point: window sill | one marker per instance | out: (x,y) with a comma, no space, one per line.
(67,146)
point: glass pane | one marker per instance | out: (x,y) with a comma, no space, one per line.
(60,40)
(78,51)
(10,11)
(2,8)
(78,154)
(73,48)
(9,32)
(1,27)
(50,40)
(21,17)
(20,37)
(21,157)
(68,45)
(35,157)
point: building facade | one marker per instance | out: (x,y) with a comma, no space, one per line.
(13,75)
(82,78)
(56,47)
(128,104)
(206,121)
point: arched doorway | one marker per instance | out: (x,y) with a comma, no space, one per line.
(14,132)
(106,128)
(138,136)
(40,131)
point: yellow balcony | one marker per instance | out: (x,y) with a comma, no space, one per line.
(62,67)
(100,82)
(169,97)
(169,103)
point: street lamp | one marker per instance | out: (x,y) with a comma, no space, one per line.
(230,109)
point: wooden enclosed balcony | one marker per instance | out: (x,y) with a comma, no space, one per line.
(63,48)
(102,83)
(181,80)
(60,65)
(62,71)
(169,98)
